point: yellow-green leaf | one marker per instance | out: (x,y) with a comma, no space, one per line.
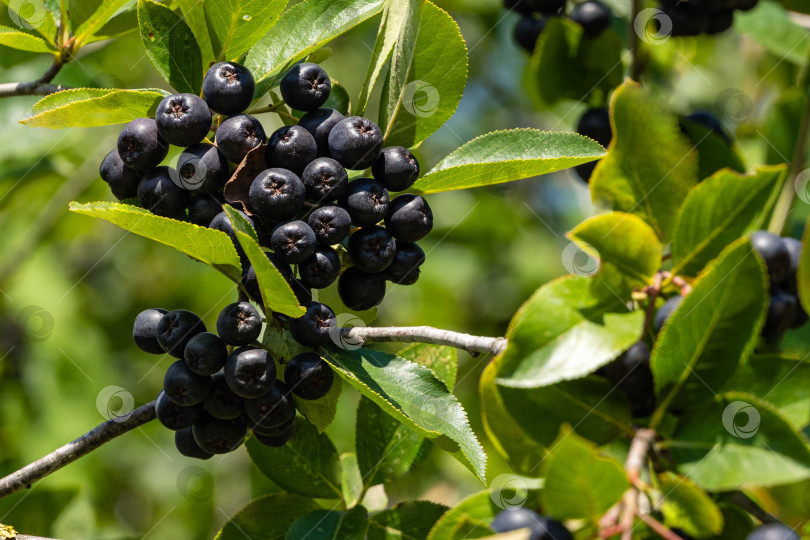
(90,107)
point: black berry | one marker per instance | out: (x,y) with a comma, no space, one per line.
(140,145)
(276,195)
(592,16)
(158,193)
(325,180)
(308,376)
(360,290)
(331,224)
(782,311)
(372,249)
(710,121)
(409,219)
(305,87)
(273,409)
(773,531)
(794,249)
(183,119)
(595,123)
(404,270)
(203,209)
(239,324)
(183,386)
(187,446)
(291,147)
(276,431)
(250,372)
(527,31)
(367,201)
(175,330)
(280,439)
(122,180)
(205,354)
(217,436)
(228,88)
(319,123)
(222,222)
(145,330)
(293,242)
(541,527)
(174,416)
(238,135)
(665,311)
(250,282)
(203,168)
(631,373)
(549,7)
(321,269)
(221,401)
(313,328)
(775,254)
(356,142)
(302,293)
(397,169)
(520,6)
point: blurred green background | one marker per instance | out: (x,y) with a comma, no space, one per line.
(86,279)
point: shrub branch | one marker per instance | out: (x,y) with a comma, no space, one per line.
(475,345)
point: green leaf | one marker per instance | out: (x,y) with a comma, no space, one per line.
(398,29)
(302,29)
(425,84)
(737,441)
(386,448)
(267,518)
(331,525)
(211,247)
(803,275)
(126,21)
(307,465)
(351,481)
(471,517)
(625,246)
(650,165)
(320,412)
(565,332)
(414,396)
(441,360)
(783,125)
(714,152)
(338,99)
(503,156)
(39,19)
(723,208)
(171,46)
(771,26)
(276,292)
(689,508)
(236,25)
(194,13)
(23,41)
(91,107)
(410,520)
(714,329)
(580,482)
(105,10)
(567,65)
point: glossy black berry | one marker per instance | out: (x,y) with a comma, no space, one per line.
(631,373)
(250,372)
(794,249)
(404,270)
(313,328)
(665,312)
(372,249)
(321,269)
(520,6)
(305,87)
(308,376)
(592,16)
(360,290)
(687,18)
(222,222)
(203,168)
(183,119)
(277,440)
(275,431)
(367,201)
(140,145)
(356,142)
(122,180)
(775,254)
(541,527)
(276,195)
(145,330)
(221,401)
(720,21)
(595,123)
(291,147)
(782,310)
(187,446)
(549,7)
(527,31)
(174,416)
(331,224)
(203,209)
(239,324)
(319,123)
(158,193)
(293,242)
(409,219)
(176,329)
(773,531)
(205,354)
(238,135)
(183,386)
(217,436)
(228,88)
(397,169)
(325,180)
(274,408)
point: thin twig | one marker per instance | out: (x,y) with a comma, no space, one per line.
(426,334)
(72,451)
(636,457)
(30,89)
(742,500)
(659,528)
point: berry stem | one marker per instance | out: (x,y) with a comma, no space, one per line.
(99,435)
(475,345)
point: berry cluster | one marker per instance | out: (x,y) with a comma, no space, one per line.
(591,15)
(540,527)
(700,16)
(212,395)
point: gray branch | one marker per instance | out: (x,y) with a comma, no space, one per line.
(29,89)
(72,451)
(425,334)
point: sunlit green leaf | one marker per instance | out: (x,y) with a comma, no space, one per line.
(688,507)
(236,25)
(267,518)
(23,41)
(90,107)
